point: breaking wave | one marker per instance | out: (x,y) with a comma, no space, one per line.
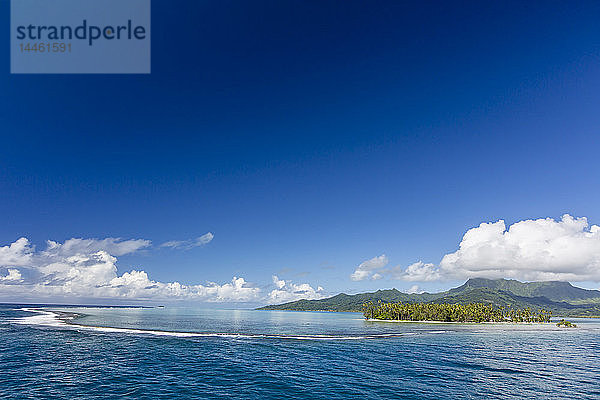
(61,319)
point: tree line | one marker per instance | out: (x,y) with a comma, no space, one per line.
(447,312)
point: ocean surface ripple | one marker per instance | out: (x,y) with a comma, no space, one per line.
(104,353)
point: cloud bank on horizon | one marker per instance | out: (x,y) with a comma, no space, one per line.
(531,250)
(86,268)
(536,249)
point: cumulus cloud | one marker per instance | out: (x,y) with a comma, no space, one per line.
(367,269)
(286,291)
(85,268)
(13,275)
(414,289)
(191,243)
(536,249)
(16,254)
(541,249)
(417,272)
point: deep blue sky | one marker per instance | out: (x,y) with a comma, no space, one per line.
(309,134)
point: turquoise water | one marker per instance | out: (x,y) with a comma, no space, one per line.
(172,353)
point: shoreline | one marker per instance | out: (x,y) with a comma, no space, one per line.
(403,321)
(360,312)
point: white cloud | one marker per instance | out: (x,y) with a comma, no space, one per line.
(417,272)
(16,254)
(286,291)
(367,268)
(189,244)
(115,246)
(414,289)
(541,249)
(84,268)
(13,276)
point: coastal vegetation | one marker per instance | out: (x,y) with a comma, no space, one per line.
(565,324)
(562,298)
(446,312)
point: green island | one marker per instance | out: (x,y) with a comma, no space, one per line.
(565,324)
(560,298)
(446,312)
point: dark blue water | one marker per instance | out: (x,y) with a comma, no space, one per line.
(285,355)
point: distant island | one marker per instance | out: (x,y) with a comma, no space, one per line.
(565,324)
(560,298)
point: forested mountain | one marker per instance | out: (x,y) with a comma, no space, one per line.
(562,298)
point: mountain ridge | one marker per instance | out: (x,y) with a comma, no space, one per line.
(562,298)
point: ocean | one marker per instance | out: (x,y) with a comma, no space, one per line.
(52,352)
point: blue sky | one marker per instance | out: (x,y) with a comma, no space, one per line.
(309,137)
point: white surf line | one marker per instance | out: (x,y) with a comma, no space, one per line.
(50,318)
(42,317)
(230,335)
